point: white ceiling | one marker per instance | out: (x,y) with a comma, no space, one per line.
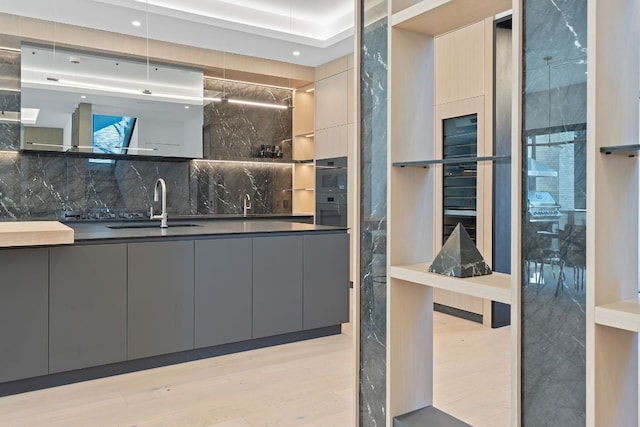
(321,30)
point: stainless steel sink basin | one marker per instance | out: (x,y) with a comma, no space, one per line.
(146,225)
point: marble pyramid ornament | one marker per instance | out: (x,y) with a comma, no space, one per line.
(459,257)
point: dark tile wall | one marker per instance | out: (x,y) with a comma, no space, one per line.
(46,185)
(373,187)
(236,131)
(35,185)
(553,284)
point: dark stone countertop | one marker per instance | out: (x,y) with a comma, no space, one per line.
(97,231)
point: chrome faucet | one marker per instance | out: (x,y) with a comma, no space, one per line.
(163,214)
(246,204)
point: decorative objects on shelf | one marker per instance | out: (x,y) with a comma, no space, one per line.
(459,257)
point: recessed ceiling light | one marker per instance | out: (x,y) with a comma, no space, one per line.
(186,107)
(296,53)
(83,96)
(136,23)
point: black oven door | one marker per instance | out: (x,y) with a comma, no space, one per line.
(331,209)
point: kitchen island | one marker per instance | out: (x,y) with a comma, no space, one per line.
(130,295)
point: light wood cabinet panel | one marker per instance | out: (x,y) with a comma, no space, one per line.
(332,142)
(460,65)
(331,101)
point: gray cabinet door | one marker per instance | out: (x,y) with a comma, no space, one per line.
(87,306)
(326,280)
(222,291)
(161,281)
(277,285)
(23,313)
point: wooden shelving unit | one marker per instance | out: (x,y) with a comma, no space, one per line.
(620,315)
(303,153)
(613,72)
(413,220)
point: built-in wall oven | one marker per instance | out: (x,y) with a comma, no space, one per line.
(331,191)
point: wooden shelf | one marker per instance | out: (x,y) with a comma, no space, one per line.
(435,17)
(494,287)
(456,160)
(628,150)
(34,233)
(621,315)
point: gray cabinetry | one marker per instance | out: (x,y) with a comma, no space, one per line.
(277,285)
(87,306)
(23,313)
(223,285)
(161,290)
(326,280)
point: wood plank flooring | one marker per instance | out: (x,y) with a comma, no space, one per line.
(305,384)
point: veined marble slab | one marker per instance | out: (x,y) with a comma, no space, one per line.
(34,233)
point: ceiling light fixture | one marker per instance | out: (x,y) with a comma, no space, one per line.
(296,53)
(243,102)
(136,23)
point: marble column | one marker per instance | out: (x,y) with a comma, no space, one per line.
(553,249)
(373,187)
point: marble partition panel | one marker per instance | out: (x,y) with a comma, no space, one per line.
(553,250)
(236,131)
(373,188)
(219,187)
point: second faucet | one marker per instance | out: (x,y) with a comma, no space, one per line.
(246,204)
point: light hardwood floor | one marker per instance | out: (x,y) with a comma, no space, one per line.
(300,384)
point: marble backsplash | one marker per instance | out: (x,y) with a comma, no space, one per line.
(235,131)
(34,185)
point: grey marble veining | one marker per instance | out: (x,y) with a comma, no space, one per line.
(220,187)
(33,185)
(373,286)
(236,131)
(553,296)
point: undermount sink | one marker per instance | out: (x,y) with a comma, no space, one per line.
(157,225)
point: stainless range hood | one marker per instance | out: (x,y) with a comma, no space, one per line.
(535,168)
